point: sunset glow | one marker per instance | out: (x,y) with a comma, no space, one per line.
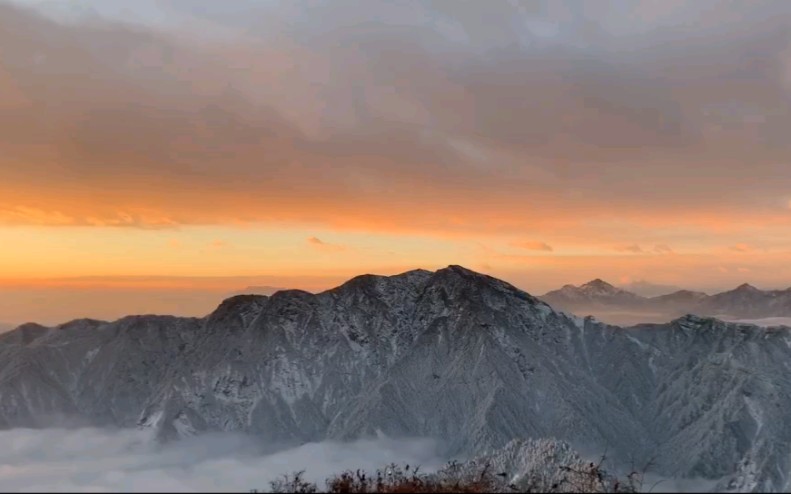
(157,147)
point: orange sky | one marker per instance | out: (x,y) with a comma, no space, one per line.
(198,148)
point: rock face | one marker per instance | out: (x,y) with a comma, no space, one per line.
(452,354)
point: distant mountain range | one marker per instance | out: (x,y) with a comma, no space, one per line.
(618,306)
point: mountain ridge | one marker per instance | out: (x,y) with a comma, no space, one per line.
(742,302)
(454,355)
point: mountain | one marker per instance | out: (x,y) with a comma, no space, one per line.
(593,293)
(611,304)
(746,301)
(604,301)
(687,298)
(257,290)
(678,303)
(648,289)
(454,355)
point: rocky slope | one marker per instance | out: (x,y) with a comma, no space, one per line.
(452,354)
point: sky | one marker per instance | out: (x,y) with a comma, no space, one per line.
(181,150)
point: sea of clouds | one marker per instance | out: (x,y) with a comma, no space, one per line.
(99,460)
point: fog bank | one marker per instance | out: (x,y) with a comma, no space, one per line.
(96,460)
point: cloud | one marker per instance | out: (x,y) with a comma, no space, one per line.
(60,460)
(533,245)
(427,116)
(24,215)
(98,460)
(766,321)
(319,244)
(741,248)
(662,249)
(633,248)
(27,215)
(636,249)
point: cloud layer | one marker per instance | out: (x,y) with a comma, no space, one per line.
(394,115)
(95,460)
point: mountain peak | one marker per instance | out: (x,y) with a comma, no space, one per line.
(475,275)
(598,283)
(24,334)
(413,278)
(239,302)
(28,326)
(688,292)
(746,287)
(81,323)
(459,276)
(462,272)
(595,291)
(681,296)
(599,287)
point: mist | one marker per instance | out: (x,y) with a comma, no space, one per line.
(100,460)
(765,321)
(131,460)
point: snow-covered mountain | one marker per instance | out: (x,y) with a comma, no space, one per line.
(453,355)
(595,293)
(602,300)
